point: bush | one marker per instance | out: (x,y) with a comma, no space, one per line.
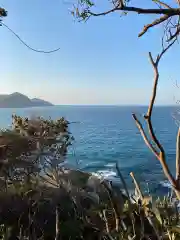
(40,199)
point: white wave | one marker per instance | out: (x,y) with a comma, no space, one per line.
(92,164)
(166,184)
(106,174)
(110,165)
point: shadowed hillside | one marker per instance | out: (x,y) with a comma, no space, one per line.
(18,100)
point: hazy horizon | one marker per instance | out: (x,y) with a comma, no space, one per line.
(96,104)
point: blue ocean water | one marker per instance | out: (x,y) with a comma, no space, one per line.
(105,135)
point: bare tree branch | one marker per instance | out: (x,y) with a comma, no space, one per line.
(162,4)
(153,97)
(137,186)
(57,224)
(143,134)
(103,13)
(164,51)
(167,15)
(167,173)
(123,182)
(175,34)
(23,42)
(154,23)
(165,11)
(156,77)
(161,155)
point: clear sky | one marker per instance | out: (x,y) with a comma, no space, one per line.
(101,61)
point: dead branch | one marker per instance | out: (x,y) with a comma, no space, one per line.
(113,204)
(154,23)
(160,154)
(103,13)
(164,11)
(57,224)
(162,4)
(27,45)
(143,134)
(137,186)
(172,36)
(153,97)
(106,221)
(164,51)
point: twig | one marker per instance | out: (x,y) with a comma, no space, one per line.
(122,180)
(143,134)
(113,204)
(141,198)
(154,228)
(154,23)
(164,51)
(162,4)
(174,35)
(45,180)
(106,221)
(165,11)
(153,97)
(129,200)
(23,42)
(57,224)
(103,13)
(137,186)
(161,155)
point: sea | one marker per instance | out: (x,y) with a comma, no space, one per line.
(106,135)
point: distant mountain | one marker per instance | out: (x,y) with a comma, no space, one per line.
(40,102)
(18,100)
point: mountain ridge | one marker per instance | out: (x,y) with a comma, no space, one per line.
(19,100)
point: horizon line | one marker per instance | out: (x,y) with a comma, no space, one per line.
(118,105)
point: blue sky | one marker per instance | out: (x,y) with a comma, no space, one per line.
(101,61)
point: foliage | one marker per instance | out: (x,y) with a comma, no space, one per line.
(32,146)
(39,202)
(3,13)
(168,12)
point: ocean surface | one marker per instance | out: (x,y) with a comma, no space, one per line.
(105,135)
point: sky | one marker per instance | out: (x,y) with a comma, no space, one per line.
(101,61)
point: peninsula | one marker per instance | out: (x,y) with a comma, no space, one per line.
(18,100)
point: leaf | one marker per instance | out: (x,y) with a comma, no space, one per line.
(158,215)
(89,3)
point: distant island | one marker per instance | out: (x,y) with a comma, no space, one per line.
(18,100)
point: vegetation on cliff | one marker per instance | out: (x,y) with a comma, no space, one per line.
(42,199)
(18,100)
